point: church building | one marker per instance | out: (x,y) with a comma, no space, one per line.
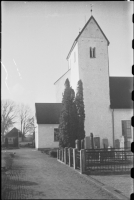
(107,100)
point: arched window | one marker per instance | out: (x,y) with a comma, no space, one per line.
(92,52)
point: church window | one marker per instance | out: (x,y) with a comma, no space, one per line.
(56,134)
(92,52)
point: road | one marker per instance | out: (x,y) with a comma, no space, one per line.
(35,175)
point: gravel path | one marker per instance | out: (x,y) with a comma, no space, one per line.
(35,175)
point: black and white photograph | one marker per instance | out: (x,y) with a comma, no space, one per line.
(66,99)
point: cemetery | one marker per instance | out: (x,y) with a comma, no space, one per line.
(90,159)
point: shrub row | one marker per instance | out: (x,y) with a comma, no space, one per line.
(50,152)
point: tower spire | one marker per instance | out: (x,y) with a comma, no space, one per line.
(91,8)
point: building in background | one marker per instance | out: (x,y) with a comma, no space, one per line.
(13,137)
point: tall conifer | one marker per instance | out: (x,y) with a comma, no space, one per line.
(79,101)
(73,120)
(68,117)
(63,125)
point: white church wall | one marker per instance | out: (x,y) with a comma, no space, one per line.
(46,136)
(74,78)
(59,86)
(95,77)
(36,137)
(119,115)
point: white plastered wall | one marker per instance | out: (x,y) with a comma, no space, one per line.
(59,86)
(36,131)
(94,74)
(46,136)
(36,137)
(73,59)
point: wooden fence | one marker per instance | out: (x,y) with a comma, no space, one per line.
(105,161)
(94,161)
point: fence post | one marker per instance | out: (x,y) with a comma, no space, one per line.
(65,155)
(74,157)
(69,155)
(99,157)
(82,161)
(82,144)
(62,155)
(77,146)
(57,154)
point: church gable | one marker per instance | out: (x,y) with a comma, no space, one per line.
(93,31)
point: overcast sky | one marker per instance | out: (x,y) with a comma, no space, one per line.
(37,36)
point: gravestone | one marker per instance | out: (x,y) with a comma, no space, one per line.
(97,142)
(105,142)
(87,142)
(117,143)
(77,144)
(122,140)
(82,144)
(128,144)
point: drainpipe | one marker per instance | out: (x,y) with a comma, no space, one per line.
(113,125)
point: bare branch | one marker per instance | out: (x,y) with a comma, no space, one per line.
(8,113)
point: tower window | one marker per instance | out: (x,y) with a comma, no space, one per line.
(92,52)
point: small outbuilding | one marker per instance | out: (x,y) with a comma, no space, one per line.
(47,122)
(13,137)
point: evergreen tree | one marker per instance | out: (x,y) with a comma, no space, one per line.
(67,125)
(73,120)
(80,111)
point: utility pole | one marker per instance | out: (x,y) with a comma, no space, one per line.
(18,138)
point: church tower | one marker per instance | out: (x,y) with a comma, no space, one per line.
(88,61)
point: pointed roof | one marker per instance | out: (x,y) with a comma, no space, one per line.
(120,92)
(48,113)
(75,41)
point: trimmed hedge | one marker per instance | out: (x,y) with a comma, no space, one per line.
(53,154)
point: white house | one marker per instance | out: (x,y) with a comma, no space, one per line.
(108,105)
(47,122)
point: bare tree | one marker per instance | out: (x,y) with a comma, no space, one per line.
(26,119)
(8,115)
(29,125)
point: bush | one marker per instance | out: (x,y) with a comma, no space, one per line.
(53,154)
